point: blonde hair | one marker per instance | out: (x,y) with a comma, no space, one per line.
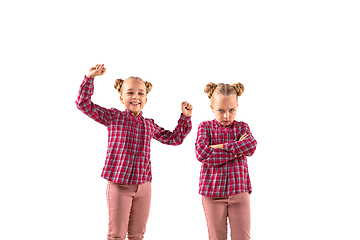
(224,89)
(120,82)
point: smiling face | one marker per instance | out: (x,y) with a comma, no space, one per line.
(133,96)
(224,108)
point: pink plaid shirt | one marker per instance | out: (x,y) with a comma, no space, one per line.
(224,172)
(128,153)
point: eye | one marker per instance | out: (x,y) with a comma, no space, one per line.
(141,93)
(129,93)
(232,110)
(220,110)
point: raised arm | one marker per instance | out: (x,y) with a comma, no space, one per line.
(182,129)
(177,136)
(207,154)
(83,101)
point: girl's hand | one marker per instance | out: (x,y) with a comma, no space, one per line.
(186,109)
(243,136)
(98,70)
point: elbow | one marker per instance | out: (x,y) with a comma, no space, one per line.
(200,158)
(78,105)
(85,107)
(81,106)
(252,150)
(178,142)
(250,153)
(179,139)
(174,141)
(200,155)
(203,152)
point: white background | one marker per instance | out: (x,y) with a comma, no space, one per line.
(299,63)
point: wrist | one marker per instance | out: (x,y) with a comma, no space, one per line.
(185,115)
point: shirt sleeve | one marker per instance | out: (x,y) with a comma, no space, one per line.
(85,105)
(177,136)
(244,147)
(205,153)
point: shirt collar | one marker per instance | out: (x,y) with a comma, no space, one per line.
(139,116)
(231,125)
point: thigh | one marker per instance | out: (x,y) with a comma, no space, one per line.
(119,200)
(140,211)
(215,210)
(239,216)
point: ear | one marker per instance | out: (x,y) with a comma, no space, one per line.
(212,108)
(122,99)
(145,100)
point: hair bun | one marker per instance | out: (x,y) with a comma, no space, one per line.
(118,84)
(210,88)
(239,88)
(148,87)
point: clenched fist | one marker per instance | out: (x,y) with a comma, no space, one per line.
(186,109)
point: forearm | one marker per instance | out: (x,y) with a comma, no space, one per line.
(245,147)
(212,156)
(177,136)
(217,146)
(84,96)
(85,105)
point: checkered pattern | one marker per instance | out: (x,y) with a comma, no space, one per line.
(224,172)
(128,153)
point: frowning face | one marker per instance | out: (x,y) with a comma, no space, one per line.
(224,108)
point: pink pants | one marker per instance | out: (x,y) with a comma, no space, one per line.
(129,207)
(236,207)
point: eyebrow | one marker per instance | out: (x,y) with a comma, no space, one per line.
(130,89)
(226,108)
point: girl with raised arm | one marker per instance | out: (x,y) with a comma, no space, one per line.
(127,165)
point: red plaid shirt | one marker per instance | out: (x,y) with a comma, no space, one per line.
(224,172)
(128,153)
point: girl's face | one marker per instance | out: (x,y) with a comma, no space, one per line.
(224,108)
(133,96)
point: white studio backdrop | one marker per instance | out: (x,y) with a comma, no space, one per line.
(299,63)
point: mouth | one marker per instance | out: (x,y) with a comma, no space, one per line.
(135,103)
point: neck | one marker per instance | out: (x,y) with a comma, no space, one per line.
(135,114)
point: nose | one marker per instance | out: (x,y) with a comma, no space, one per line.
(226,115)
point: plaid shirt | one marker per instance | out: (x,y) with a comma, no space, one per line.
(224,172)
(128,152)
